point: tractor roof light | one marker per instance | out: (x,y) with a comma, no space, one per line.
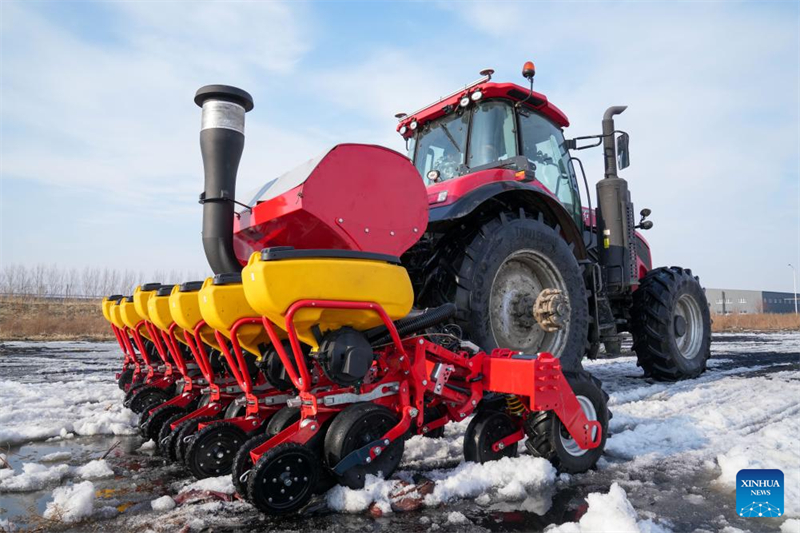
(464,102)
(528,70)
(477,95)
(403,130)
(413,125)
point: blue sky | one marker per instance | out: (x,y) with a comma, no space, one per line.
(100,163)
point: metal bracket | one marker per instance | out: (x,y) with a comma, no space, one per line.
(441,373)
(387,389)
(276,400)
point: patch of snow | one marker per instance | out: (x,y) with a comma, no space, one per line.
(222,484)
(7,526)
(94,470)
(37,411)
(609,512)
(164,503)
(72,503)
(56,456)
(791,526)
(147,446)
(34,476)
(456,518)
(507,479)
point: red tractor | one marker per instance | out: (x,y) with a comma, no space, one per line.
(504,236)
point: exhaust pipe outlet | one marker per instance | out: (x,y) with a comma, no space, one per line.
(615,222)
(221,143)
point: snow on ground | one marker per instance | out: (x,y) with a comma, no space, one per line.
(609,512)
(60,398)
(71,503)
(670,463)
(35,476)
(727,418)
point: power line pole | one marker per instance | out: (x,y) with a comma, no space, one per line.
(794,282)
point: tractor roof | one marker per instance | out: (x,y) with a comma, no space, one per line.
(511,91)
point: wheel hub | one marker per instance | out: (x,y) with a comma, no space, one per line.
(551,310)
(680,326)
(516,289)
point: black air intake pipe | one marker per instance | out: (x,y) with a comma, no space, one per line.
(221,143)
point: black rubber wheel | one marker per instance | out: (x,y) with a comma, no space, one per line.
(136,381)
(547,437)
(211,451)
(496,278)
(671,324)
(151,429)
(147,412)
(283,479)
(242,462)
(355,427)
(486,428)
(285,417)
(125,378)
(186,429)
(165,442)
(147,396)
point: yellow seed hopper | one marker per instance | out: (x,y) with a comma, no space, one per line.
(223,303)
(276,278)
(184,305)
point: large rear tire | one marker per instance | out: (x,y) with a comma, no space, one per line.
(500,274)
(671,324)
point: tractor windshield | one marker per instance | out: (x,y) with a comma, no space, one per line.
(441,146)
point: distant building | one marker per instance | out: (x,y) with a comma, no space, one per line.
(733,301)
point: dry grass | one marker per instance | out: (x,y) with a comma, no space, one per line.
(43,319)
(759,322)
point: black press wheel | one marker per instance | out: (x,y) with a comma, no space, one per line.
(165,442)
(671,324)
(243,464)
(151,429)
(285,417)
(355,427)
(136,381)
(509,263)
(283,479)
(184,433)
(147,396)
(549,439)
(486,428)
(211,451)
(125,378)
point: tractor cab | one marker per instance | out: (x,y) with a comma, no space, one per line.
(489,127)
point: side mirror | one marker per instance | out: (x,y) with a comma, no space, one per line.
(623,155)
(645,212)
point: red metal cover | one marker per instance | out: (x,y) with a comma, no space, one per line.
(354,197)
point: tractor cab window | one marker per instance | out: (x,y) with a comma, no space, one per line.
(493,137)
(441,146)
(543,146)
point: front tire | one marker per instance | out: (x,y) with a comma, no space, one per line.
(671,325)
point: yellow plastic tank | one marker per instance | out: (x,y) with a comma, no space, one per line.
(276,278)
(158,308)
(141,295)
(106,305)
(222,303)
(130,316)
(184,305)
(115,313)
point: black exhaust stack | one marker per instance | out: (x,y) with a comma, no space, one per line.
(221,143)
(615,221)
